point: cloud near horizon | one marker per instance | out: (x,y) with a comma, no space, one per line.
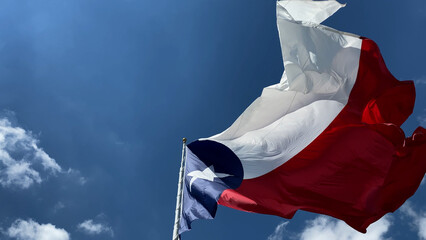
(279,231)
(418,217)
(420,80)
(21,161)
(422,118)
(327,228)
(31,230)
(92,228)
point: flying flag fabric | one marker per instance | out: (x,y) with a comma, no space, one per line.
(325,139)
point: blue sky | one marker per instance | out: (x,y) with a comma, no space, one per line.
(97,95)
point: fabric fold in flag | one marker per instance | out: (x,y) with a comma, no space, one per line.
(325,139)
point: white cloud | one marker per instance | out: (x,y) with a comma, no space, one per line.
(82,180)
(278,234)
(92,228)
(420,80)
(19,154)
(58,206)
(75,174)
(422,118)
(419,219)
(47,162)
(422,228)
(326,228)
(31,230)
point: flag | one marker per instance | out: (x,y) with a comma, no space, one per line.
(325,139)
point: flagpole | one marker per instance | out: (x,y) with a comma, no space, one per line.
(179,193)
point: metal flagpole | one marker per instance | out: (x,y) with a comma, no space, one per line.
(179,193)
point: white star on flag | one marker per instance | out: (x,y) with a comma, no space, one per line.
(207,174)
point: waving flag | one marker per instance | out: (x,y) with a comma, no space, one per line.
(325,139)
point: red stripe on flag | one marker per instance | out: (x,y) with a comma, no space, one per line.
(359,168)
